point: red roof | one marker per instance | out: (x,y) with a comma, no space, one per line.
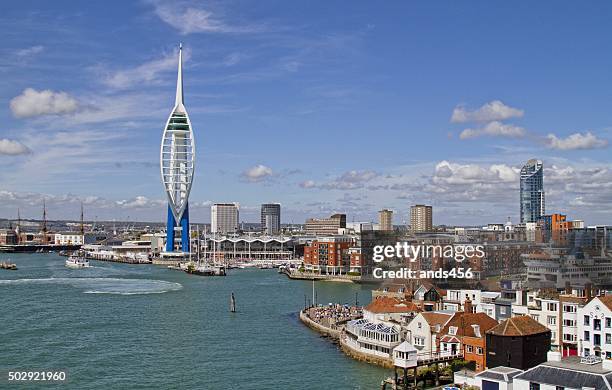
(391,305)
(464,323)
(606,300)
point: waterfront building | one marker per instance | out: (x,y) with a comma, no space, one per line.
(519,342)
(568,374)
(465,332)
(370,338)
(595,328)
(271,218)
(421,218)
(423,332)
(325,226)
(8,237)
(532,202)
(69,238)
(385,220)
(328,255)
(496,378)
(177,164)
(390,309)
(224,218)
(249,248)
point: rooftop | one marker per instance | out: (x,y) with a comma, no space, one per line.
(391,305)
(464,321)
(570,373)
(519,326)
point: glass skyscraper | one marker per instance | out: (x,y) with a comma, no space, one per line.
(532,191)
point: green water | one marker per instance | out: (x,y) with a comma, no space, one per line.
(118,326)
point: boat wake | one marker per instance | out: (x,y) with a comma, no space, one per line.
(105,285)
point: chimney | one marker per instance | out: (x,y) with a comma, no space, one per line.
(467,306)
(588,291)
(568,287)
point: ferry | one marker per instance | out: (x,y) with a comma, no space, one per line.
(77,262)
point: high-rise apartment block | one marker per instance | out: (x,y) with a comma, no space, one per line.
(385,220)
(532,191)
(421,218)
(224,218)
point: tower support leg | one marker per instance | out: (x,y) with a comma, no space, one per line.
(185,230)
(170,231)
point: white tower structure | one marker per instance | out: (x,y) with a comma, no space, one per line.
(177,163)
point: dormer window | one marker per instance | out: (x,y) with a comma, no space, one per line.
(452,330)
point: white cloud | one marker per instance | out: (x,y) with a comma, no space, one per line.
(575,141)
(147,72)
(257,173)
(188,20)
(308,184)
(30,51)
(33,103)
(453,173)
(12,148)
(492,111)
(494,129)
(349,180)
(140,202)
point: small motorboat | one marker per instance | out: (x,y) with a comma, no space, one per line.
(77,262)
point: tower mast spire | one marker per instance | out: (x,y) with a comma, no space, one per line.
(180,101)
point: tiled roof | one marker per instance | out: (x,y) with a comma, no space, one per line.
(519,326)
(434,318)
(391,305)
(464,321)
(607,300)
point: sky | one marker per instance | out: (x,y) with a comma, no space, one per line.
(322,106)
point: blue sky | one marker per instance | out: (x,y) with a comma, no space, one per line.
(321,106)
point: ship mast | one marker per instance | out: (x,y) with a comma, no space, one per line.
(82,226)
(44,222)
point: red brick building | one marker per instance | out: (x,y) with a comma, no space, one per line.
(328,255)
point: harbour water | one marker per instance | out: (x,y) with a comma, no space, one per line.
(147,327)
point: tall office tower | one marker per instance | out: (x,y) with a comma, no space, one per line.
(385,220)
(532,191)
(224,218)
(421,218)
(271,218)
(177,163)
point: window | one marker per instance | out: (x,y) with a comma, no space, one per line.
(608,338)
(552,320)
(559,388)
(568,323)
(419,325)
(478,351)
(469,348)
(551,306)
(503,310)
(452,330)
(587,335)
(587,320)
(608,322)
(569,308)
(596,339)
(534,386)
(597,324)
